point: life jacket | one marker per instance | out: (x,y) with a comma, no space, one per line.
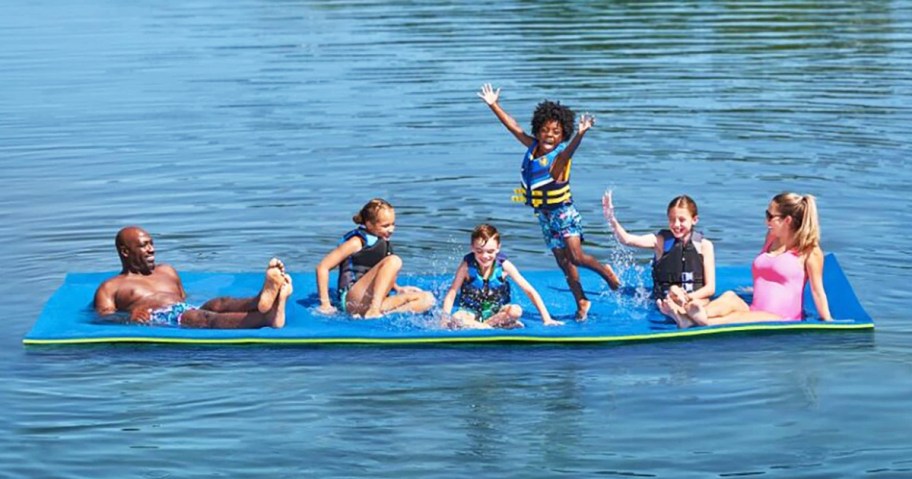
(373,250)
(484,295)
(680,264)
(538,189)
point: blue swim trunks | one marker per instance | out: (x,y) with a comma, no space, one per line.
(169,315)
(560,223)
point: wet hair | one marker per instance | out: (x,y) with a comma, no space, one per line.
(485,232)
(371,210)
(685,202)
(802,209)
(553,111)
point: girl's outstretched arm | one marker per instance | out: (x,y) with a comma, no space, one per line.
(533,295)
(490,97)
(450,298)
(562,162)
(647,241)
(814,266)
(330,261)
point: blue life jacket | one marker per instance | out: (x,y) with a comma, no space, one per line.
(538,189)
(484,296)
(372,251)
(680,264)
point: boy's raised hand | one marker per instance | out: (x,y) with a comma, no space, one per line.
(489,94)
(586,121)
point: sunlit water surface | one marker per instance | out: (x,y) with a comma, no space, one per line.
(234,131)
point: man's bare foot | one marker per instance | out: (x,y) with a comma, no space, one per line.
(613,281)
(697,312)
(582,310)
(278,321)
(275,278)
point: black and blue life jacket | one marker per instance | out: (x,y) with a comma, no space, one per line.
(680,264)
(373,250)
(482,295)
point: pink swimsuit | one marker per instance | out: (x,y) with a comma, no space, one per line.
(779,284)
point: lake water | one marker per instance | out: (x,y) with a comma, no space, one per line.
(234,131)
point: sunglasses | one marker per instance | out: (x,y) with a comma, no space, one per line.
(770,216)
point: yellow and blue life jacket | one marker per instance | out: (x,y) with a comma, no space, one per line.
(539,189)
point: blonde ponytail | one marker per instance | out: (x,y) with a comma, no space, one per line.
(805,222)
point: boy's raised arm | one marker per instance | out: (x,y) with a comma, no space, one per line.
(490,97)
(559,167)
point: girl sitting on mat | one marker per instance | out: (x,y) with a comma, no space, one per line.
(368,269)
(791,257)
(684,265)
(484,290)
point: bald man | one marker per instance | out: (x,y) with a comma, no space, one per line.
(153,294)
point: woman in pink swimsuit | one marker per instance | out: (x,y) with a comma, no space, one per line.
(791,257)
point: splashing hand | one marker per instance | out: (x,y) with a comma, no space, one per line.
(607,205)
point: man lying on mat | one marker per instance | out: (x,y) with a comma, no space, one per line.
(154,294)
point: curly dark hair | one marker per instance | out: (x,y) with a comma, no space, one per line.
(553,111)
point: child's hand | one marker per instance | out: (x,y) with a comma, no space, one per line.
(552,322)
(607,205)
(489,94)
(586,121)
(327,309)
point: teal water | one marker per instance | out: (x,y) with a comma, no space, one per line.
(241,130)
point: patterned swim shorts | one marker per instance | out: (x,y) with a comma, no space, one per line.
(559,223)
(169,315)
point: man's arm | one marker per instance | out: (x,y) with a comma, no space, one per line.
(104,299)
(490,96)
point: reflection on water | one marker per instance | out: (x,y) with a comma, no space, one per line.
(234,132)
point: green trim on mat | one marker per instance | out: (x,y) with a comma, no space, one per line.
(457,339)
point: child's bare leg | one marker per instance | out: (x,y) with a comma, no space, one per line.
(578,257)
(462,319)
(715,312)
(571,274)
(507,317)
(412,302)
(366,296)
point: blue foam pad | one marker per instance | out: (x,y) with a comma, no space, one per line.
(626,315)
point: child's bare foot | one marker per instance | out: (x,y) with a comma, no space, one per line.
(274,281)
(697,312)
(613,281)
(582,310)
(372,314)
(663,307)
(681,318)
